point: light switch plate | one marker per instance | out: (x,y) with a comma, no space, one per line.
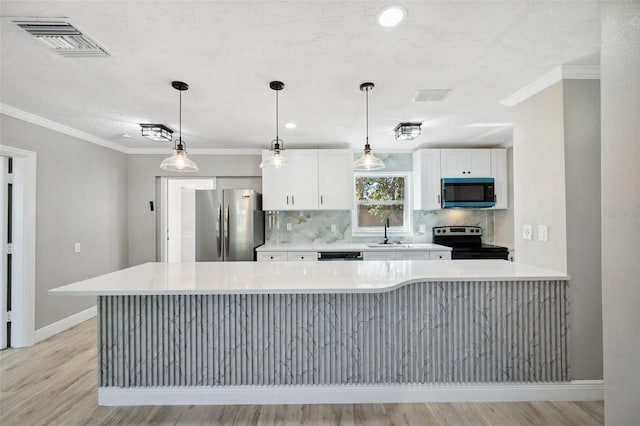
(543,233)
(76,247)
(423,229)
(288,227)
(527,232)
(333,227)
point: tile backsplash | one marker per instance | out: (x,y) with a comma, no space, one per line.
(314,226)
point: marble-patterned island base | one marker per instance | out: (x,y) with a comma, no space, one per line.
(422,333)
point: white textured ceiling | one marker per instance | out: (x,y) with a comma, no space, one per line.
(228,51)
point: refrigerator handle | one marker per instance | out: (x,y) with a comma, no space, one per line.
(226,230)
(218,233)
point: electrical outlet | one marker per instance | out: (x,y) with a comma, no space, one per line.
(527,232)
(543,233)
(288,227)
(422,229)
(76,247)
(333,227)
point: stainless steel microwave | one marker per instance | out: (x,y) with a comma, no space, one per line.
(468,192)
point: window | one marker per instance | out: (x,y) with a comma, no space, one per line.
(378,197)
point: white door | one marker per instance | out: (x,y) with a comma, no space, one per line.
(4,278)
(180,211)
(480,162)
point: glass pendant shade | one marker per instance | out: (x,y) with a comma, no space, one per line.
(368,161)
(275,161)
(179,162)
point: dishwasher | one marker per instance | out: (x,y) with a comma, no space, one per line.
(339,255)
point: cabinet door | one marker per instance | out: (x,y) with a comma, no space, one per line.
(454,162)
(268,256)
(413,255)
(379,255)
(499,172)
(479,161)
(302,256)
(426,173)
(335,179)
(440,255)
(466,162)
(276,186)
(303,179)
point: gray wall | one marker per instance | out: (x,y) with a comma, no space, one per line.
(582,180)
(620,77)
(538,178)
(556,183)
(81,197)
(143,173)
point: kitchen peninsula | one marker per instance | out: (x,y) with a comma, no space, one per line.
(305,332)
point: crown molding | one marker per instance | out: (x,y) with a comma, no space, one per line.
(563,72)
(61,128)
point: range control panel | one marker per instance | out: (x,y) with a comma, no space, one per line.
(457,230)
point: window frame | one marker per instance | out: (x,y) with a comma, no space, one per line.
(407,229)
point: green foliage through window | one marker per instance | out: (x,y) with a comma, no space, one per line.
(379,198)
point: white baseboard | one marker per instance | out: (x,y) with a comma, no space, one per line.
(65,323)
(578,390)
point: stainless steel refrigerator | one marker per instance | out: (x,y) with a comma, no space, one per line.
(229,225)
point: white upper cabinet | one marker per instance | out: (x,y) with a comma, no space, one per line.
(314,180)
(303,166)
(430,165)
(426,179)
(335,179)
(465,162)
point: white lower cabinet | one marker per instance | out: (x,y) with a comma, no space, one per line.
(440,255)
(379,255)
(407,255)
(267,256)
(302,256)
(312,256)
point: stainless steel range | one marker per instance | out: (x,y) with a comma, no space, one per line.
(466,243)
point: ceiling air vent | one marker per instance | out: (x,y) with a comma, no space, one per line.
(63,37)
(431,95)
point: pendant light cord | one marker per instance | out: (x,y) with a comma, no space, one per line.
(367,94)
(180,119)
(277,134)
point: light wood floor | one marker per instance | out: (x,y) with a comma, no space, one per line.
(55,382)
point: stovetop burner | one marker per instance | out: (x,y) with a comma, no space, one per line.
(466,242)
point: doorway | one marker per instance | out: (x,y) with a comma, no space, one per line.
(17,246)
(178,213)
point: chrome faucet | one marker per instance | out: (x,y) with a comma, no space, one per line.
(386,226)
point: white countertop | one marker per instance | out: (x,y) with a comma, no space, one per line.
(296,277)
(351,246)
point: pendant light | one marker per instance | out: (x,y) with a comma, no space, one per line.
(368,161)
(179,162)
(276,160)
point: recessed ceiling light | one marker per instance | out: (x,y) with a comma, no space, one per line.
(290,125)
(391,16)
(126,135)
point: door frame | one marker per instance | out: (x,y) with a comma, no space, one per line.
(24,245)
